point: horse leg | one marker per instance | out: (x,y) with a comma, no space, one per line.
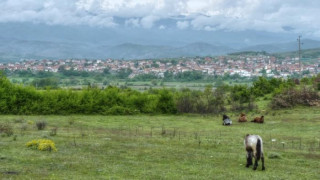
(255,164)
(249,158)
(262,160)
(255,161)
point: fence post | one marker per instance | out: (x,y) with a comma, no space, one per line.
(300,142)
(136,130)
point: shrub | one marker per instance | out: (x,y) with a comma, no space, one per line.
(53,131)
(6,129)
(15,137)
(118,110)
(274,155)
(71,121)
(42,145)
(20,120)
(292,97)
(41,125)
(23,127)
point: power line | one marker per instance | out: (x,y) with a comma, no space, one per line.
(299,51)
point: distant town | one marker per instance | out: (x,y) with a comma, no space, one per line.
(243,65)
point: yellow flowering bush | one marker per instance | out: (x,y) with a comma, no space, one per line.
(42,145)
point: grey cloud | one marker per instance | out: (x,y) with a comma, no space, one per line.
(271,15)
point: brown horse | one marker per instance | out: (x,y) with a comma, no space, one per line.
(242,118)
(258,119)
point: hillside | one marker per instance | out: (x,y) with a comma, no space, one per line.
(16,49)
(305,53)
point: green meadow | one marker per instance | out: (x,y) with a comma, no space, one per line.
(161,147)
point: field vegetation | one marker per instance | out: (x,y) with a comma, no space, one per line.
(159,133)
(160,147)
(27,100)
(79,79)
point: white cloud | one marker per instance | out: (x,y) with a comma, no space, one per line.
(271,15)
(162,27)
(183,24)
(133,22)
(148,21)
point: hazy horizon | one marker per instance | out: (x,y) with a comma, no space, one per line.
(95,28)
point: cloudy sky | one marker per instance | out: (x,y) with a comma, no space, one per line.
(300,16)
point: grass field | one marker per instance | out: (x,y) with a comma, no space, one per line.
(162,147)
(136,85)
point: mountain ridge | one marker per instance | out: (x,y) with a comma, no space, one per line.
(15,49)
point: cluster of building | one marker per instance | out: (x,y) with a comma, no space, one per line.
(243,65)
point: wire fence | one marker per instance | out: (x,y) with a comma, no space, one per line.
(200,138)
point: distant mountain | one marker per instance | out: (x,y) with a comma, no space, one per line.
(203,49)
(14,49)
(135,51)
(306,53)
(283,47)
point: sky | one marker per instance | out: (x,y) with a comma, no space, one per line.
(275,16)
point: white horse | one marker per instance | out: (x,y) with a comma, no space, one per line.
(254,147)
(226,120)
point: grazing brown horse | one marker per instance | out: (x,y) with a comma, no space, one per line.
(254,147)
(242,118)
(258,119)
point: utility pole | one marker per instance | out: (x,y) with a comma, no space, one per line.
(299,52)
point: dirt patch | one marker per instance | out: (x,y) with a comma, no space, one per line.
(286,120)
(11,172)
(310,155)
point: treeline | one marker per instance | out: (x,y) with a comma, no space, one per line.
(72,77)
(18,99)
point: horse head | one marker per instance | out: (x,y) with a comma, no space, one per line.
(225,117)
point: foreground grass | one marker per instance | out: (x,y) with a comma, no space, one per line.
(162,147)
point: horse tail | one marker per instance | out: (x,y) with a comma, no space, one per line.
(259,149)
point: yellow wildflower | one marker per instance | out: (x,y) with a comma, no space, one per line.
(42,145)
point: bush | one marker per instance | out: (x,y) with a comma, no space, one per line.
(273,155)
(30,122)
(23,127)
(41,125)
(292,97)
(19,120)
(6,129)
(118,110)
(42,145)
(53,131)
(71,121)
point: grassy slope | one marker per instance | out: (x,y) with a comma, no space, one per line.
(121,147)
